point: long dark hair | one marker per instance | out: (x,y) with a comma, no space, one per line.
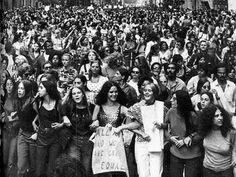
(100,68)
(27,98)
(71,104)
(101,98)
(14,89)
(200,84)
(51,88)
(185,109)
(13,95)
(207,117)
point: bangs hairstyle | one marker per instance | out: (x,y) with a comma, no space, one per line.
(101,98)
(51,88)
(207,120)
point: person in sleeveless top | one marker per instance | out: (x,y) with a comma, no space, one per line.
(79,113)
(26,146)
(109,111)
(10,128)
(49,120)
(219,142)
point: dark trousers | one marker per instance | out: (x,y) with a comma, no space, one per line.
(210,173)
(51,151)
(26,150)
(192,167)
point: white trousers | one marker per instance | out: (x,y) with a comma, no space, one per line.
(149,164)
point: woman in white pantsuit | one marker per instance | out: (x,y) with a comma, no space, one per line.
(149,140)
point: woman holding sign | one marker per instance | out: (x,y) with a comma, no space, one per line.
(109,106)
(109,111)
(148,116)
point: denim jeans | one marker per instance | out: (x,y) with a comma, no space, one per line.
(210,173)
(51,151)
(26,151)
(10,154)
(81,149)
(192,167)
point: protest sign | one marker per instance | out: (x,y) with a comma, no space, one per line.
(108,152)
(150,114)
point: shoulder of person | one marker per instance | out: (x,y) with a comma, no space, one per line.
(231,84)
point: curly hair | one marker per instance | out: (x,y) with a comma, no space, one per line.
(206,118)
(101,98)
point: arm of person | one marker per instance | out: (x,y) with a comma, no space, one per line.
(67,37)
(167,132)
(130,126)
(35,126)
(95,123)
(233,141)
(66,121)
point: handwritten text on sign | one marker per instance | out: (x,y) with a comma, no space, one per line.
(108,152)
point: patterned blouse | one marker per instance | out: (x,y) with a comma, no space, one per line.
(134,112)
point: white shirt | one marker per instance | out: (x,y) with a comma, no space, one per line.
(228,96)
(134,85)
(148,47)
(10,64)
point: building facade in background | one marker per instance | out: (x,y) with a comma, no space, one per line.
(10,4)
(206,4)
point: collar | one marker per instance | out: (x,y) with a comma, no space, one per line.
(217,83)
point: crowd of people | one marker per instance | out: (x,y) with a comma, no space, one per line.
(67,71)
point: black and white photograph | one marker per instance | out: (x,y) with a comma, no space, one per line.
(118,88)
